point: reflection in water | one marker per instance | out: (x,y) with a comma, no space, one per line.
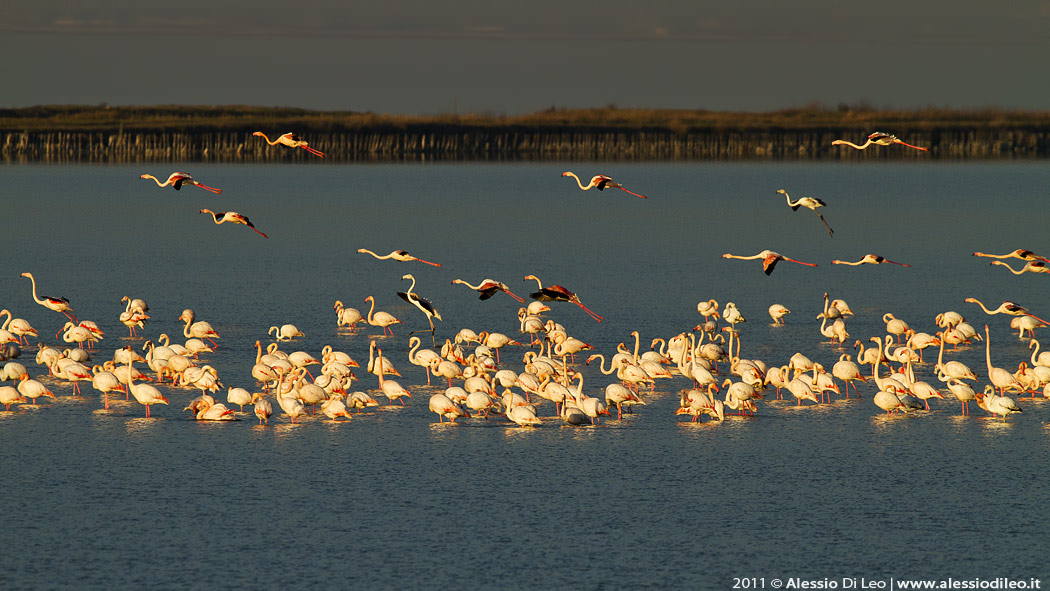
(139,427)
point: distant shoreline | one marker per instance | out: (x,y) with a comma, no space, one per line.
(72,134)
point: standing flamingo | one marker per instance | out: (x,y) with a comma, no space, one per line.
(558,293)
(232,217)
(198,329)
(488,288)
(383,319)
(810,203)
(878,138)
(397,255)
(769,259)
(177,179)
(19,327)
(422,303)
(292,141)
(869,259)
(601,182)
(51,302)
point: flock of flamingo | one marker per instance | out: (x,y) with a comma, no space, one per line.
(474,382)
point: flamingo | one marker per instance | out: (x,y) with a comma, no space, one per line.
(10,395)
(291,140)
(769,259)
(847,371)
(422,303)
(777,312)
(878,138)
(708,309)
(391,389)
(146,394)
(421,357)
(104,381)
(810,203)
(995,404)
(133,316)
(285,332)
(963,393)
(383,319)
(397,255)
(443,406)
(558,293)
(870,259)
(999,377)
(18,327)
(1007,307)
(347,316)
(234,218)
(1020,253)
(199,329)
(488,288)
(601,182)
(33,389)
(177,179)
(1029,267)
(50,302)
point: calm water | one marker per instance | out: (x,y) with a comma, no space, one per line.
(392,499)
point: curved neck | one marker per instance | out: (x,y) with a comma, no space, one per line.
(413,286)
(978,302)
(265,137)
(790,204)
(33,280)
(156,180)
(372,309)
(186,329)
(1011,269)
(578,182)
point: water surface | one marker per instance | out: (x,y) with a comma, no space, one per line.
(392,499)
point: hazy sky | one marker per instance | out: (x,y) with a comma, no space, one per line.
(414,56)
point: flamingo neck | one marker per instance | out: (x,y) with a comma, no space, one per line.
(267,138)
(578,182)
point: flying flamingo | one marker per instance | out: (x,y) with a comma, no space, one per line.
(488,288)
(397,255)
(769,259)
(558,293)
(601,182)
(1010,308)
(810,203)
(177,179)
(232,217)
(51,302)
(423,304)
(1020,253)
(870,259)
(292,141)
(1029,267)
(878,138)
